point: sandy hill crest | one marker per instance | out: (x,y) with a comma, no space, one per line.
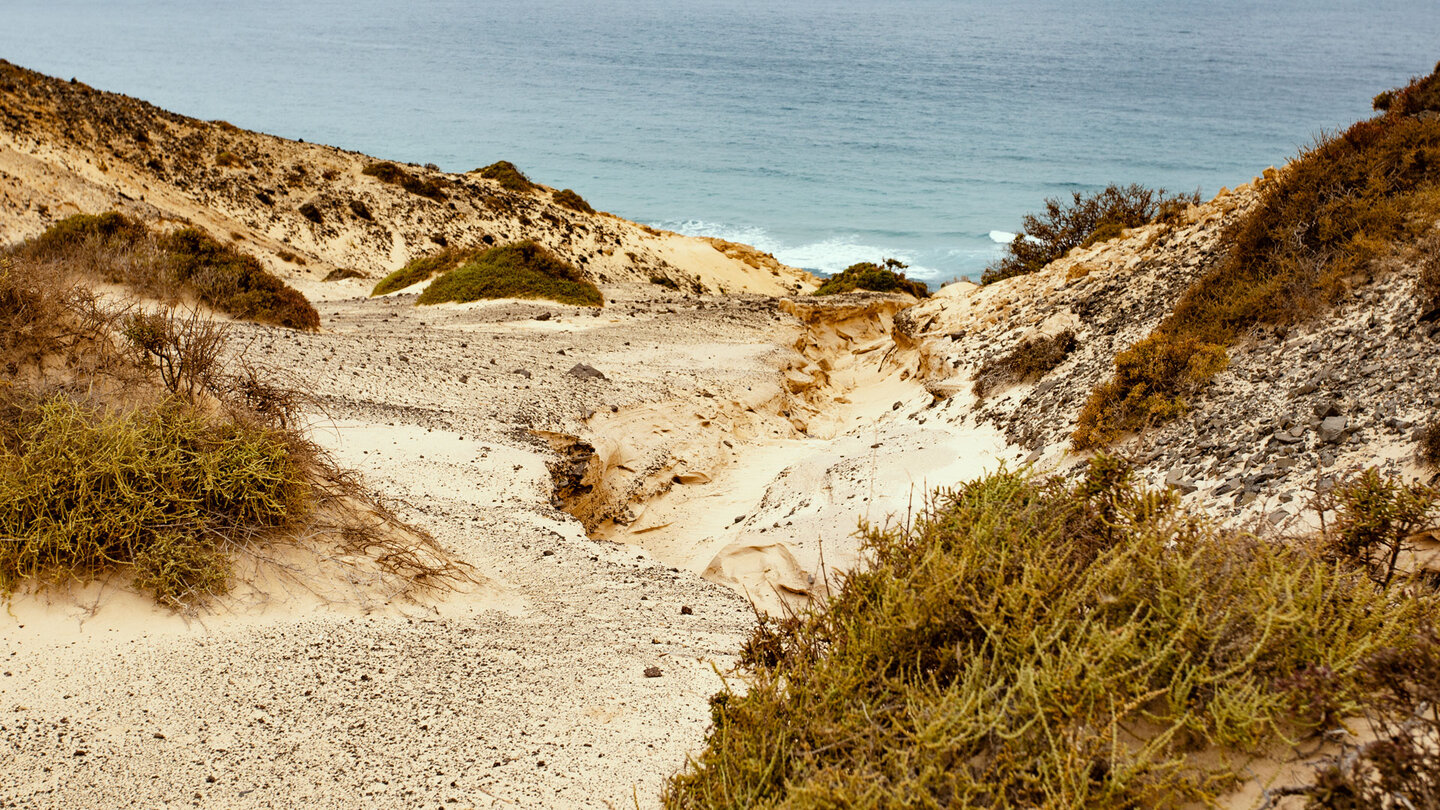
(309,211)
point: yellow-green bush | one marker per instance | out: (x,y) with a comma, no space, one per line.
(424,268)
(519,270)
(1032,643)
(163,489)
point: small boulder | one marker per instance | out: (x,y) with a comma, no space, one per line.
(585,371)
(1332,428)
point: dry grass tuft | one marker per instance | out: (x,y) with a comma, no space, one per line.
(387,172)
(1032,359)
(573,201)
(1032,643)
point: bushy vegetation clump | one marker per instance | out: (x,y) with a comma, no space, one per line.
(509,177)
(425,268)
(187,263)
(1083,221)
(1036,643)
(1315,233)
(387,172)
(1030,360)
(573,201)
(133,440)
(888,276)
(165,490)
(519,270)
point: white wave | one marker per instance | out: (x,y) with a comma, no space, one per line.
(1002,237)
(752,235)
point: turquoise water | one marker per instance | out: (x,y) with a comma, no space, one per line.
(827,131)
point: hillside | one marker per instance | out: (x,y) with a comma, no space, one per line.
(310,212)
(630,485)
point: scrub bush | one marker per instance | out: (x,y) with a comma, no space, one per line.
(888,276)
(1036,643)
(519,270)
(1081,222)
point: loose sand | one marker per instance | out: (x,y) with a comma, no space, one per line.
(527,687)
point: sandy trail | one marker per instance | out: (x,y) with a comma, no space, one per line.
(530,688)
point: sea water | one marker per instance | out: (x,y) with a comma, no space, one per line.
(825,131)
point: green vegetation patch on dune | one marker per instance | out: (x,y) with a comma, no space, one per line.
(425,268)
(888,276)
(186,263)
(507,175)
(573,201)
(1315,234)
(519,270)
(1033,643)
(162,489)
(387,172)
(1083,221)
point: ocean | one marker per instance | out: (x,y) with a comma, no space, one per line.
(824,131)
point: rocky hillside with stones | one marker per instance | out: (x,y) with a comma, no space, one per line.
(318,212)
(1295,407)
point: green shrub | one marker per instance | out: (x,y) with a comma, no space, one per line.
(233,282)
(387,172)
(519,270)
(1315,233)
(1375,517)
(505,173)
(888,276)
(573,201)
(164,489)
(1085,220)
(423,268)
(1032,643)
(119,250)
(1032,359)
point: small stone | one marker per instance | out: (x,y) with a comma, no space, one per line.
(896,406)
(523,373)
(652,672)
(1230,486)
(686,610)
(544,316)
(1278,516)
(1331,428)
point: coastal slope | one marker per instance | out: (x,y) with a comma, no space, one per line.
(311,212)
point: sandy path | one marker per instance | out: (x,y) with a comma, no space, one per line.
(529,690)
